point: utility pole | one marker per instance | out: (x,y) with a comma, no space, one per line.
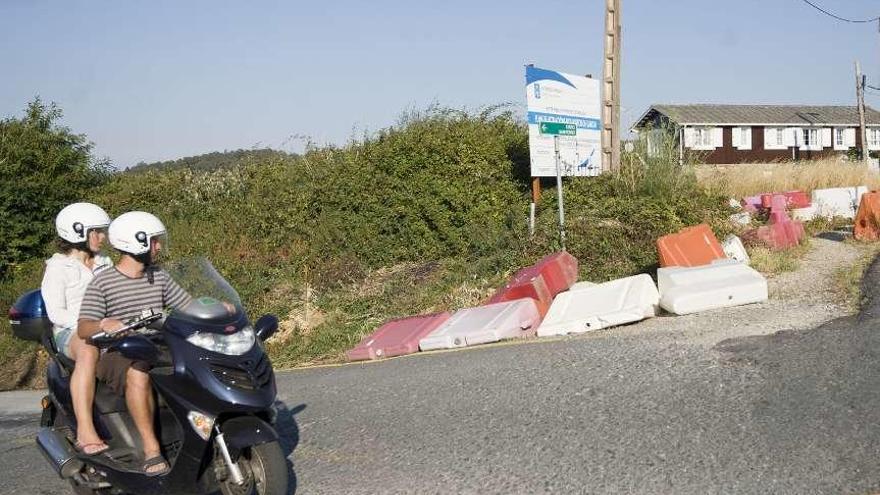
(611,88)
(860,98)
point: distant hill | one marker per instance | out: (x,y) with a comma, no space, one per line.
(210,161)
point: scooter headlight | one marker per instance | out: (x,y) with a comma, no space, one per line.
(234,344)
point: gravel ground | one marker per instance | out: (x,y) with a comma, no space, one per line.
(804,298)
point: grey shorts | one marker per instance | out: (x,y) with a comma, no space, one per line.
(62,340)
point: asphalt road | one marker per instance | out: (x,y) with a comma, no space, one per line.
(794,412)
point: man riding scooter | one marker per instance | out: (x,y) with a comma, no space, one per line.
(122,293)
(197,416)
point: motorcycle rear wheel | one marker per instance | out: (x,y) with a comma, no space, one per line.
(264,468)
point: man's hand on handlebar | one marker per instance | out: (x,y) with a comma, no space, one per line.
(110,325)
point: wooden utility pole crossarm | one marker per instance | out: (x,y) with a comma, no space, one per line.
(611,87)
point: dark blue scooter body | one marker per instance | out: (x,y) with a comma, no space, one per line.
(239,391)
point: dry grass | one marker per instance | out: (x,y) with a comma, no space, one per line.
(770,262)
(749,179)
(848,279)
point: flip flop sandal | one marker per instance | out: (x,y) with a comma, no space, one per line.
(155,461)
(81,448)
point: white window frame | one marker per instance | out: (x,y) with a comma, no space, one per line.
(745,138)
(774,138)
(873,138)
(703,138)
(839,139)
(810,139)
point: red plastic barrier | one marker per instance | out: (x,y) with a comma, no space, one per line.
(781,232)
(396,337)
(792,199)
(867,222)
(778,204)
(779,236)
(527,286)
(692,246)
(542,281)
(797,199)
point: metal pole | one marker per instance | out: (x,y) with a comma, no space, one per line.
(559,193)
(536,196)
(531,219)
(681,147)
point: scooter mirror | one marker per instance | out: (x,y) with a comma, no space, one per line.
(138,348)
(266,326)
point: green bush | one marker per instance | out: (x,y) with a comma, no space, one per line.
(43,167)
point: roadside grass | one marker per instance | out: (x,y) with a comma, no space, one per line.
(848,279)
(737,181)
(356,309)
(841,225)
(770,262)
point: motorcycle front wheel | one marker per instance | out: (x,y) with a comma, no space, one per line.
(264,469)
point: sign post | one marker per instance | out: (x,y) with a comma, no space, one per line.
(556,130)
(559,194)
(564,131)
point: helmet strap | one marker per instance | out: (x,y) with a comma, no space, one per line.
(147,260)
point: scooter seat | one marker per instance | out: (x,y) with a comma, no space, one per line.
(67,363)
(107,401)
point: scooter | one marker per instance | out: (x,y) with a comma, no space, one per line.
(214,388)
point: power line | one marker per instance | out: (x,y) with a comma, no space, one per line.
(839,18)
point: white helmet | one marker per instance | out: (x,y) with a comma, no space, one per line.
(75,220)
(132,232)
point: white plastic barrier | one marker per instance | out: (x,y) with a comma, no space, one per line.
(722,284)
(805,214)
(582,285)
(741,218)
(838,202)
(484,324)
(734,249)
(602,305)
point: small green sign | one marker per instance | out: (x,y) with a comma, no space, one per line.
(558,129)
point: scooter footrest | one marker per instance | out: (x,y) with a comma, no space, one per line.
(123,456)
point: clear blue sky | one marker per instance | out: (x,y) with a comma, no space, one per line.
(163,79)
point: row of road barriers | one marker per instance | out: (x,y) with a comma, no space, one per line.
(545,299)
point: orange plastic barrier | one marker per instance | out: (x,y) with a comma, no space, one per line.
(867,224)
(692,246)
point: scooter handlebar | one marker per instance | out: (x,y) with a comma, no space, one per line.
(104,338)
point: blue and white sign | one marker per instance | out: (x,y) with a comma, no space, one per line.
(555,97)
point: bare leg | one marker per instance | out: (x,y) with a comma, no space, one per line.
(139,399)
(82,391)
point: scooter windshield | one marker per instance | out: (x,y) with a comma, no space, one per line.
(213,299)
